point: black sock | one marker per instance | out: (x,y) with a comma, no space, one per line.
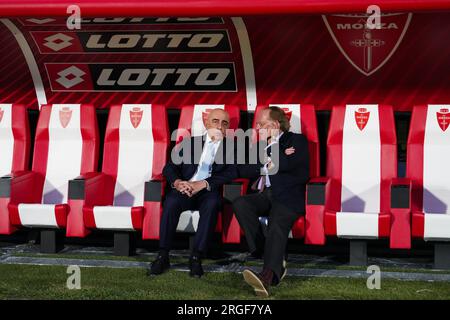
(164,253)
(196,253)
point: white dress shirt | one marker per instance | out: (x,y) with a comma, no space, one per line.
(206,159)
(265,168)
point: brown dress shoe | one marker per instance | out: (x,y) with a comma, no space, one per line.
(259,281)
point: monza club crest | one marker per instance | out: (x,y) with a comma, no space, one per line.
(65,114)
(367,49)
(287,113)
(443,118)
(362,117)
(136,116)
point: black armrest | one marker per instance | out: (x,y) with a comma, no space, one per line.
(232,190)
(153,191)
(315,193)
(400,196)
(77,188)
(5,186)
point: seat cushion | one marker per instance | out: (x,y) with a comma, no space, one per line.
(39,215)
(431,226)
(356,225)
(113,218)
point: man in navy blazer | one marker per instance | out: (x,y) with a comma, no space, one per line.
(281,185)
(198,168)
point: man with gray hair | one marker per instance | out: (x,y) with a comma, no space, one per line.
(196,180)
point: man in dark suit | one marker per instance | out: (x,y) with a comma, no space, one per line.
(198,167)
(281,185)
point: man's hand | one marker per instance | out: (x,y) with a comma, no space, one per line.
(183,187)
(197,186)
(289,151)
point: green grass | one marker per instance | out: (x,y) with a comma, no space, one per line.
(49,282)
(177,259)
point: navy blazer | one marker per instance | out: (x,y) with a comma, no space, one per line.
(224,169)
(289,183)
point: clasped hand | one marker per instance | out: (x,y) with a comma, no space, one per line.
(189,188)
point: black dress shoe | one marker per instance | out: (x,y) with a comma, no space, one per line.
(195,267)
(275,280)
(160,265)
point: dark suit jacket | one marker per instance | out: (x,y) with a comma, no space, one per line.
(224,169)
(289,183)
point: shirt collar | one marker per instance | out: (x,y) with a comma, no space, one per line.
(208,139)
(279,136)
(276,140)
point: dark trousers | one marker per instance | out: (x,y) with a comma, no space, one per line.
(248,209)
(207,202)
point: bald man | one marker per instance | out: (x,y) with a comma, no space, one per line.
(196,177)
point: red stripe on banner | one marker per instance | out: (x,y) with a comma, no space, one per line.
(21,132)
(197,8)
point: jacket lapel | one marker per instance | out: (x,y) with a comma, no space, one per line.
(284,139)
(220,154)
(197,146)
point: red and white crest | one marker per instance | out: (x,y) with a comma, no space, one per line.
(362,117)
(136,116)
(65,114)
(1,114)
(443,118)
(288,113)
(367,49)
(205,115)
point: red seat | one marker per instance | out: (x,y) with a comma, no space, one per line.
(14,155)
(192,124)
(66,146)
(361,169)
(302,119)
(126,196)
(428,155)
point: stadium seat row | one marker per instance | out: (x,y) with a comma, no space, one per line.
(361,196)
